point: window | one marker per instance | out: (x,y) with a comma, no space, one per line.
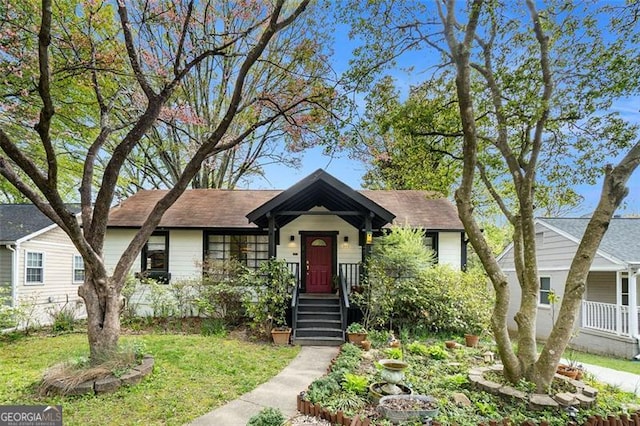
(155,257)
(155,253)
(78,269)
(431,242)
(250,250)
(34,268)
(625,291)
(545,290)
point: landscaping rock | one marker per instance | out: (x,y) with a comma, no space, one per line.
(82,388)
(461,400)
(589,391)
(474,379)
(566,398)
(584,400)
(133,377)
(106,385)
(489,386)
(497,367)
(513,393)
(540,401)
(146,367)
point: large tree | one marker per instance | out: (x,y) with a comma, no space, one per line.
(200,102)
(99,52)
(533,91)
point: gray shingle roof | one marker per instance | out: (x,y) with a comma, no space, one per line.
(622,239)
(19,220)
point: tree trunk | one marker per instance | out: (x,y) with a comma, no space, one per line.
(103,303)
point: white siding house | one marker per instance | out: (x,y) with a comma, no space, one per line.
(321,227)
(609,318)
(40,267)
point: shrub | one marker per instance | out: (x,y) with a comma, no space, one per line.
(162,301)
(402,287)
(322,389)
(221,292)
(272,285)
(63,317)
(267,417)
(7,312)
(396,261)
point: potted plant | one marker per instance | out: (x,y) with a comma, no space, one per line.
(356,333)
(472,338)
(266,304)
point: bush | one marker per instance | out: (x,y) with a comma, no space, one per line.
(63,317)
(395,264)
(221,292)
(267,417)
(7,312)
(272,285)
(404,289)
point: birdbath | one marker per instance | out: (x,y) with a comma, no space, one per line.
(392,373)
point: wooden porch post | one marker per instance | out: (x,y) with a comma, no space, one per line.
(633,303)
(367,231)
(272,235)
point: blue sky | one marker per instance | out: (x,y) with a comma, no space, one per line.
(351,171)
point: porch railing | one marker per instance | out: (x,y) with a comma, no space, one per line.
(344,301)
(294,268)
(607,317)
(350,272)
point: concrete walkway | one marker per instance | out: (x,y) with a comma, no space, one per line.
(279,392)
(628,382)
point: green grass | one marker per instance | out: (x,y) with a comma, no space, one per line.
(193,374)
(603,361)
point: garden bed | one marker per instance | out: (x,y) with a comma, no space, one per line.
(450,376)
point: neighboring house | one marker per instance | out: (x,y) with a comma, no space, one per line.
(320,226)
(608,322)
(39,266)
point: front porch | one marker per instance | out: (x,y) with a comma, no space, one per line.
(610,314)
(610,318)
(322,319)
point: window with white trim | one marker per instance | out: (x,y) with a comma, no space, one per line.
(78,269)
(545,290)
(34,271)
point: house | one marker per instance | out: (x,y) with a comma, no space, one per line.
(40,268)
(609,317)
(320,226)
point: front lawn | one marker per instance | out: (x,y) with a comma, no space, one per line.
(193,374)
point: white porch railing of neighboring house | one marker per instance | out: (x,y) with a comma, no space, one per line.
(607,317)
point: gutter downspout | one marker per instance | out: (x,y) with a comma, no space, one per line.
(14,273)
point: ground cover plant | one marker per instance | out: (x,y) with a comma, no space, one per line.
(441,373)
(192,375)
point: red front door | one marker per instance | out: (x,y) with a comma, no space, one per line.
(319,264)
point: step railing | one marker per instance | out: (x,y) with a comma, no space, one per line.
(295,294)
(344,301)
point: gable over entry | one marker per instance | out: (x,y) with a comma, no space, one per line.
(319,189)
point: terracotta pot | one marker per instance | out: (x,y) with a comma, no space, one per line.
(450,344)
(281,337)
(568,371)
(366,345)
(471,340)
(356,338)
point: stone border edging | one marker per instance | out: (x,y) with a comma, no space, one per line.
(583,395)
(108,384)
